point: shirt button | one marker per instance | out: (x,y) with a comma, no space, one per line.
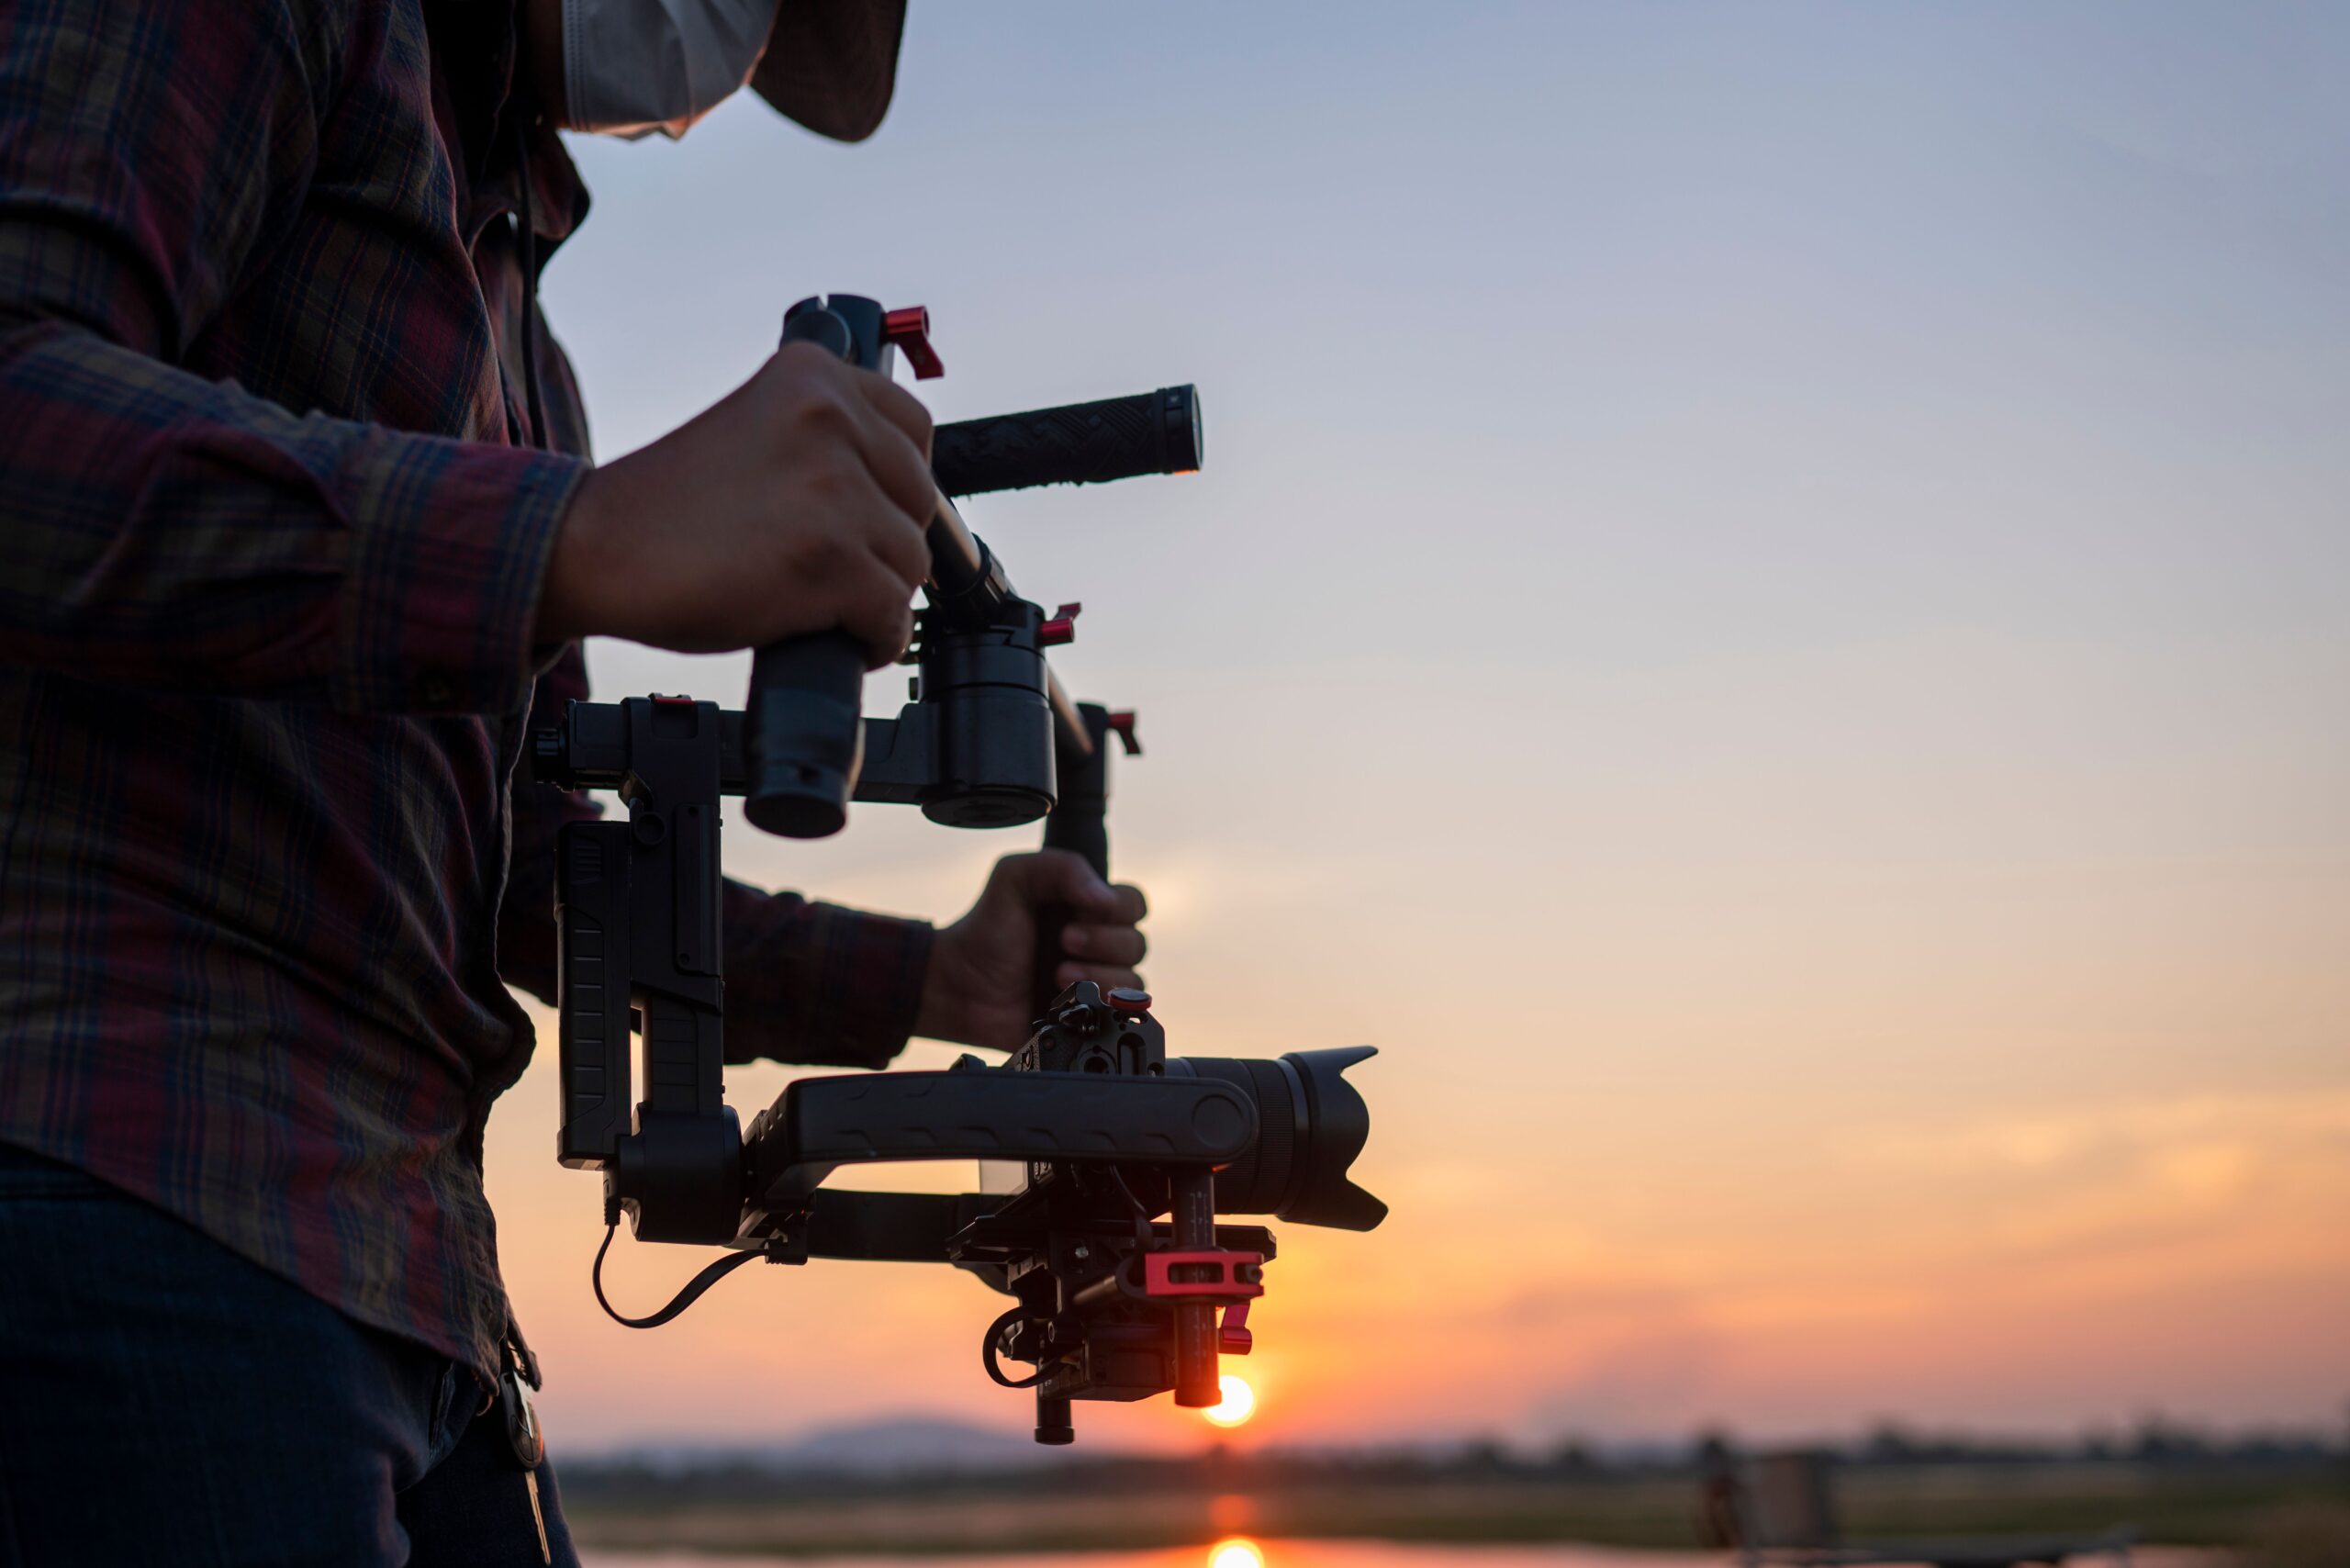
(436,690)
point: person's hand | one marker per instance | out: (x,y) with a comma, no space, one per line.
(976,991)
(796,504)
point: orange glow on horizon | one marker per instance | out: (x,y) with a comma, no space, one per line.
(1240,1402)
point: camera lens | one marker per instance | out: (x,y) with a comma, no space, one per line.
(1311,1125)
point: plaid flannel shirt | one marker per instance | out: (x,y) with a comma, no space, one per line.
(269,565)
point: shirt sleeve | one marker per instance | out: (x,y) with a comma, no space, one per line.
(817,983)
(171,532)
(806,982)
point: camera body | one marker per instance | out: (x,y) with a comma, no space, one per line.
(1113,1306)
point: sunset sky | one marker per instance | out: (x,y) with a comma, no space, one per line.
(1768,614)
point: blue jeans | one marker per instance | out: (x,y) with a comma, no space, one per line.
(163,1402)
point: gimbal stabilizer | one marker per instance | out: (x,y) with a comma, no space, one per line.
(1110,1302)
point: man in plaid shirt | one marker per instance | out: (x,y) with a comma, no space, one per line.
(298,521)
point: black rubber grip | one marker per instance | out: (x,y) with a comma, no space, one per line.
(1082,443)
(1088,836)
(1079,822)
(1091,838)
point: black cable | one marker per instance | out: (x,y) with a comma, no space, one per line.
(1141,1214)
(987,1352)
(679,1303)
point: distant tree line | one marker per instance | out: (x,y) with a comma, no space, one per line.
(673,1481)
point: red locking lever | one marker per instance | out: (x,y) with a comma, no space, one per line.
(910,330)
(1233,1338)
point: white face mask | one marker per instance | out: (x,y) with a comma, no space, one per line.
(634,66)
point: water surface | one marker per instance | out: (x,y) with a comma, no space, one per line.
(1302,1555)
(1232,1554)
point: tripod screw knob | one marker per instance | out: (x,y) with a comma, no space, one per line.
(1127,999)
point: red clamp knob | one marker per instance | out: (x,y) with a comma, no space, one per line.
(1126,999)
(1122,726)
(909,329)
(1061,628)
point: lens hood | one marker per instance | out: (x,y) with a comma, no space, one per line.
(1312,1124)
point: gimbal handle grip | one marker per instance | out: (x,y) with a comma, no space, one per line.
(1078,443)
(804,736)
(1079,822)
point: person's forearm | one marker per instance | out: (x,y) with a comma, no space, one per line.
(168,530)
(171,532)
(818,985)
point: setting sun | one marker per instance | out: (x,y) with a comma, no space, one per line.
(1239,1404)
(1235,1553)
